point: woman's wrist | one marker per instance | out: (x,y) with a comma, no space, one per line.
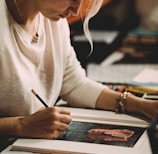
(133,104)
(111,100)
(20,129)
(121,102)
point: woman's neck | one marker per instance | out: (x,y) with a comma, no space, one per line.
(23,13)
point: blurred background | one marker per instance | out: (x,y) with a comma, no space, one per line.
(110,26)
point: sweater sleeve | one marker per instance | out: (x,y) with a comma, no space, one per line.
(77,89)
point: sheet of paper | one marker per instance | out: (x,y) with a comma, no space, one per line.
(119,73)
(79,148)
(147,75)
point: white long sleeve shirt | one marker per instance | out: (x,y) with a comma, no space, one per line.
(49,67)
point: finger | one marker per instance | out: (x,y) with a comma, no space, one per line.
(58,114)
(63,111)
(62,126)
(60,133)
(56,133)
(65,119)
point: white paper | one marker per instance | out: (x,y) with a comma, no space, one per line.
(147,75)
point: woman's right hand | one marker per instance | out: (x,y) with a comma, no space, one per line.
(47,123)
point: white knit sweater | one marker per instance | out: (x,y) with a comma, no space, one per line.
(50,67)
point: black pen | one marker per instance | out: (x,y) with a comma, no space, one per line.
(39,98)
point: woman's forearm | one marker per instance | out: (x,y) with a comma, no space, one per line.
(10,126)
(108,100)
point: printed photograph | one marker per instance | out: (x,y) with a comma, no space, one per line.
(117,135)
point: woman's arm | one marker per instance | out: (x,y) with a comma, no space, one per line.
(46,123)
(108,100)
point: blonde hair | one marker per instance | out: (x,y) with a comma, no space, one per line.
(93,8)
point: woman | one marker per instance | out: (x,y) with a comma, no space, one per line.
(35,53)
